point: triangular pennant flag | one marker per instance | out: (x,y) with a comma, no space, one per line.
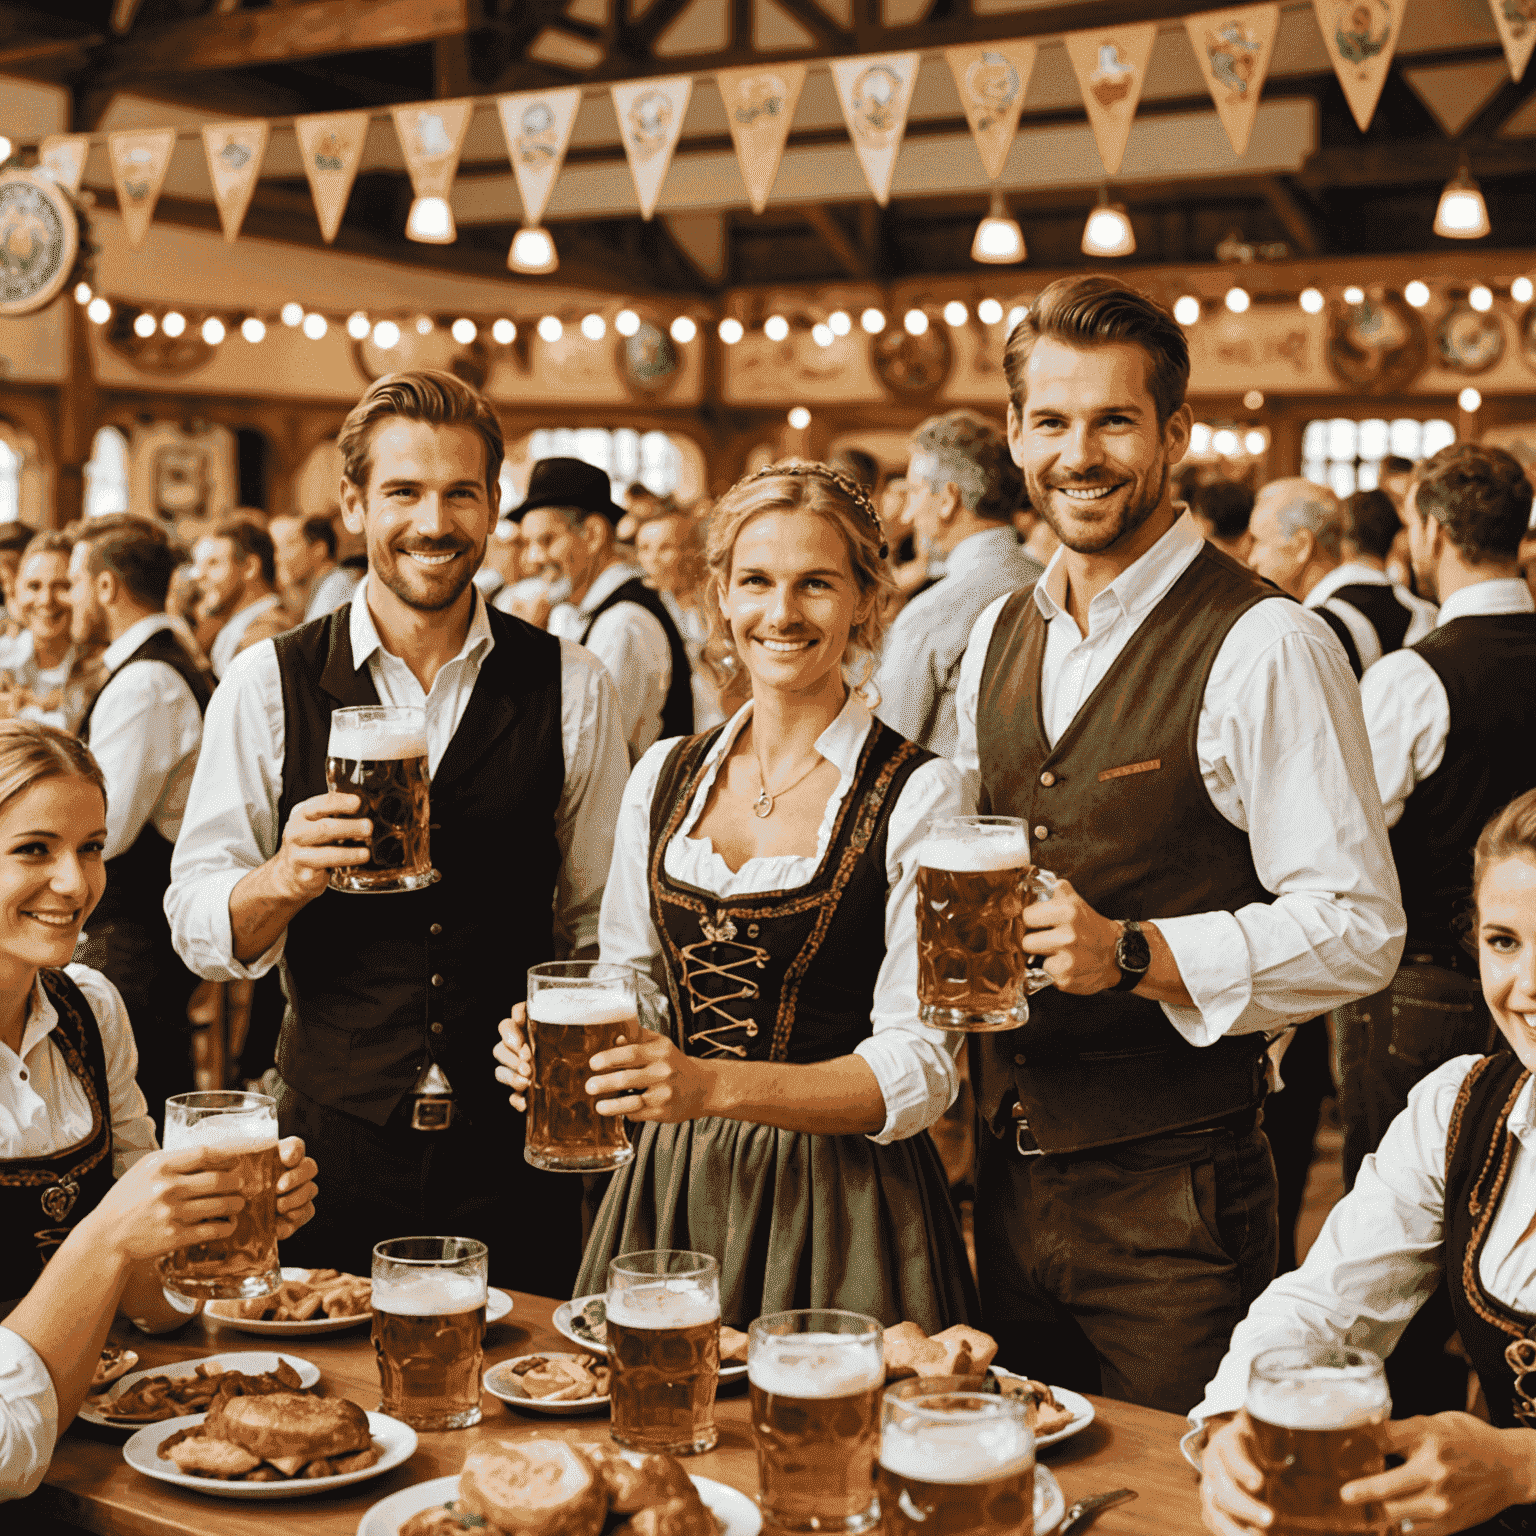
(1360,36)
(760,106)
(140,158)
(431,138)
(992,79)
(331,146)
(537,125)
(62,155)
(1233,48)
(235,152)
(651,116)
(1110,64)
(1516,21)
(875,92)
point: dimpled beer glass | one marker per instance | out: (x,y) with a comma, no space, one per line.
(1313,1414)
(816,1378)
(243,1127)
(956,1463)
(576,1008)
(664,1350)
(429,1329)
(974,880)
(379,754)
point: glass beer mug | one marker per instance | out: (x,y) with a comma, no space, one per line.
(379,753)
(974,880)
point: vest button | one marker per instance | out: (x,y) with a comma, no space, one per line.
(1041,833)
(1047,779)
(437,981)
(435,929)
(1018,1061)
(437,1029)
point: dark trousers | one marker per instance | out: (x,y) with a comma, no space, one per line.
(1290,1124)
(387,1181)
(1124,1271)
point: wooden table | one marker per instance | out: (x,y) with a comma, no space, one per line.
(91,1487)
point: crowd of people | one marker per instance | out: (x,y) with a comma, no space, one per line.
(1258,735)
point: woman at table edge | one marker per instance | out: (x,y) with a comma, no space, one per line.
(765,872)
(73,1119)
(1450,1192)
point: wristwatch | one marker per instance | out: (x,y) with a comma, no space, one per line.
(1132,954)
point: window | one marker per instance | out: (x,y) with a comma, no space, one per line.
(10,483)
(106,476)
(623,454)
(1346,455)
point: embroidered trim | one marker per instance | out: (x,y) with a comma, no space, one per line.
(1151,764)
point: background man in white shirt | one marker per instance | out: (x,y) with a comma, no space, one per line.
(237,575)
(307,572)
(1187,750)
(145,728)
(568,519)
(527,765)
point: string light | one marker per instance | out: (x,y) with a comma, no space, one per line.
(464,331)
(314,326)
(1254,400)
(775,327)
(144,325)
(594,327)
(533,252)
(1462,214)
(430,221)
(873,321)
(1481,299)
(99,311)
(799,418)
(955,313)
(253,329)
(1469,400)
(213,330)
(1521,290)
(627,323)
(5,148)
(1186,310)
(1255,442)
(822,335)
(173,324)
(358,325)
(1312,300)
(423,325)
(386,334)
(550,329)
(684,330)
(1238,300)
(1354,295)
(1016,315)
(915,322)
(840,321)
(503,332)
(731,330)
(1417,294)
(83,293)
(1225,442)
(989,311)
(292,314)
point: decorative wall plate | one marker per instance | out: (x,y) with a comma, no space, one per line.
(648,362)
(1467,341)
(1378,345)
(1526,330)
(912,367)
(39,240)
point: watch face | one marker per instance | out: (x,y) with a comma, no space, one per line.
(1133,953)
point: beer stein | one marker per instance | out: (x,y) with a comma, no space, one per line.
(816,1378)
(243,1127)
(379,754)
(429,1329)
(576,1008)
(958,1462)
(974,880)
(1313,1412)
(663,1310)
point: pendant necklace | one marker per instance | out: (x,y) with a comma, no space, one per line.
(762,807)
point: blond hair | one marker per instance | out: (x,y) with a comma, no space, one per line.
(799,485)
(31,753)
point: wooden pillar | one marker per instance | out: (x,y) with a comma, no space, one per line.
(79,417)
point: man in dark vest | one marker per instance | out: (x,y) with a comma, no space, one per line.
(145,727)
(568,519)
(527,766)
(1186,748)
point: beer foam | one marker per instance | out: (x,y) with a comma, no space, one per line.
(815,1365)
(252,1131)
(376,743)
(428,1295)
(1318,1399)
(961,1451)
(580,1005)
(975,855)
(661,1306)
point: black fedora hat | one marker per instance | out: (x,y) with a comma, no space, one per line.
(571,483)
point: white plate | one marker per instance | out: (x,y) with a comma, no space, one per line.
(252,1362)
(498,1304)
(396,1440)
(501,1383)
(1081,1408)
(567,1309)
(1050,1502)
(1192,1445)
(738,1512)
(223,1313)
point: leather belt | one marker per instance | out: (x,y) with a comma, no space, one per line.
(1025,1144)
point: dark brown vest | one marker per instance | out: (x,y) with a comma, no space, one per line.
(1118,807)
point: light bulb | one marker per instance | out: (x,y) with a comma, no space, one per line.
(213,330)
(594,327)
(915,322)
(293,314)
(464,331)
(840,321)
(627,323)
(1108,231)
(1224,442)
(314,326)
(423,325)
(731,330)
(1469,400)
(1462,214)
(504,333)
(253,330)
(1255,442)
(1186,310)
(83,293)
(1238,300)
(1354,294)
(533,251)
(99,310)
(955,313)
(1481,298)
(799,418)
(144,325)
(822,335)
(431,222)
(989,311)
(5,148)
(173,323)
(358,325)
(684,329)
(1417,294)
(1254,400)
(998,239)
(386,334)
(1521,290)
(550,329)
(873,321)
(1312,300)
(1018,313)
(775,327)
(1200,438)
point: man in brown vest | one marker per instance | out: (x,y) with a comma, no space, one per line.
(1186,747)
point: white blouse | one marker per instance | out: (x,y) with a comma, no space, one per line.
(913,1064)
(1380,1254)
(43,1106)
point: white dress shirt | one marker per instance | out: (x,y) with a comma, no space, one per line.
(231,826)
(145,732)
(1367,642)
(1284,757)
(331,591)
(227,642)
(632,645)
(1380,1255)
(56,696)
(1407,713)
(29,1417)
(913,1064)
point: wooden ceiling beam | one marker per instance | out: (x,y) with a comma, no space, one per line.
(1409,162)
(852,260)
(1306,237)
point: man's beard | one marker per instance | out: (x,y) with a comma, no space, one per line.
(89,627)
(1134,514)
(392,573)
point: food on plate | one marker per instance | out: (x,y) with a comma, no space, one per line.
(561,1378)
(1051,1417)
(733,1346)
(635,1479)
(677,1517)
(274,1438)
(957,1351)
(155,1398)
(114,1362)
(591,1322)
(321,1293)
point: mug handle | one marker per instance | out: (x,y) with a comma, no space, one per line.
(1042,887)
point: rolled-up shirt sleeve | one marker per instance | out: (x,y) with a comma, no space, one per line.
(29,1417)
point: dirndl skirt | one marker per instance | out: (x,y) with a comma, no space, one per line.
(794,1221)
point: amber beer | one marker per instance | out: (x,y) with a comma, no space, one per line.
(429,1329)
(974,880)
(816,1378)
(243,1128)
(663,1312)
(379,754)
(1313,1416)
(576,1008)
(956,1464)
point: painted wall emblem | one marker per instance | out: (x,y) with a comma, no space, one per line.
(39,239)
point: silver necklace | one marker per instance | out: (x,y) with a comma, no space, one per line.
(762,807)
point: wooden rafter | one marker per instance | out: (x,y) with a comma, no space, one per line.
(852,260)
(1299,224)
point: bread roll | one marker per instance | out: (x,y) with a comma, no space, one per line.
(686,1516)
(534,1488)
(635,1479)
(910,1352)
(968,1351)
